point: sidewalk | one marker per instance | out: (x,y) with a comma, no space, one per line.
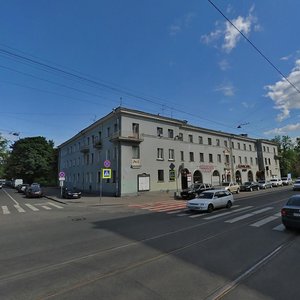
(53,193)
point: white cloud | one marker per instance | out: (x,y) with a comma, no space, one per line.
(181,23)
(224,64)
(227,90)
(283,130)
(284,95)
(231,35)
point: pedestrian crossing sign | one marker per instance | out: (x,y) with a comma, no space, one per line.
(106,173)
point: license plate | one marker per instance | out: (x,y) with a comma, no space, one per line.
(296,214)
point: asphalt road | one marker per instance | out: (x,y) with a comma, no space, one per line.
(147,251)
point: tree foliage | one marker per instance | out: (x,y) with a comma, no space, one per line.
(289,153)
(33,159)
(3,154)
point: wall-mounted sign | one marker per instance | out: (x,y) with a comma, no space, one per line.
(135,163)
(206,168)
(241,166)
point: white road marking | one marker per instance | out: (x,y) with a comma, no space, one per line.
(55,205)
(227,213)
(248,215)
(264,221)
(46,207)
(280,227)
(31,207)
(19,208)
(5,210)
(16,202)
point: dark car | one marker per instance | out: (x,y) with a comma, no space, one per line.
(250,186)
(71,193)
(194,190)
(34,192)
(290,213)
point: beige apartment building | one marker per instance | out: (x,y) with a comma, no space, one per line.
(149,152)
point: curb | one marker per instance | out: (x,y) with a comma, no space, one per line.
(56,200)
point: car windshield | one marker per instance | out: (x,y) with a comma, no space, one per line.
(294,201)
(35,188)
(225,184)
(206,195)
(247,183)
(261,181)
(297,181)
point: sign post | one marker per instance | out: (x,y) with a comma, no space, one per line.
(62,178)
(105,174)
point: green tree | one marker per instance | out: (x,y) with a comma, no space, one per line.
(3,155)
(33,159)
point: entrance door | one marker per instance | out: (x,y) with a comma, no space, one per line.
(184,180)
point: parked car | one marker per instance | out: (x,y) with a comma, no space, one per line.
(34,192)
(209,200)
(72,193)
(21,188)
(276,182)
(250,186)
(296,185)
(194,190)
(290,213)
(232,187)
(263,184)
(287,181)
(0,185)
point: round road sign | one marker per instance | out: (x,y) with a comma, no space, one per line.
(107,163)
(61,174)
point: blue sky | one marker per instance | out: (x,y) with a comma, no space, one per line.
(180,59)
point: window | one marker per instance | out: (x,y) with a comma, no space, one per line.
(264,149)
(266,161)
(171,154)
(233,158)
(225,144)
(250,147)
(190,138)
(108,131)
(160,153)
(135,152)
(227,159)
(116,127)
(232,145)
(210,158)
(159,131)
(240,159)
(170,133)
(217,142)
(219,158)
(274,150)
(135,129)
(181,156)
(209,141)
(92,158)
(245,148)
(160,175)
(251,160)
(88,141)
(180,136)
(246,160)
(268,149)
(200,139)
(269,161)
(191,156)
(201,157)
(239,145)
(256,161)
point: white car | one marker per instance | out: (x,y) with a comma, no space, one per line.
(276,182)
(296,185)
(286,180)
(209,200)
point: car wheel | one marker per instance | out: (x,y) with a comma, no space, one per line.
(229,204)
(210,208)
(238,191)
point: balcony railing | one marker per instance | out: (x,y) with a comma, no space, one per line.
(126,136)
(98,144)
(84,148)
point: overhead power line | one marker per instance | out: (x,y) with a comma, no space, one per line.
(251,43)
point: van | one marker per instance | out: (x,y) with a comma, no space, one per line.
(17,182)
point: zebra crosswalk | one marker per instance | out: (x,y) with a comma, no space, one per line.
(173,208)
(6,210)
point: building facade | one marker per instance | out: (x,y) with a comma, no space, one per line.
(150,152)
